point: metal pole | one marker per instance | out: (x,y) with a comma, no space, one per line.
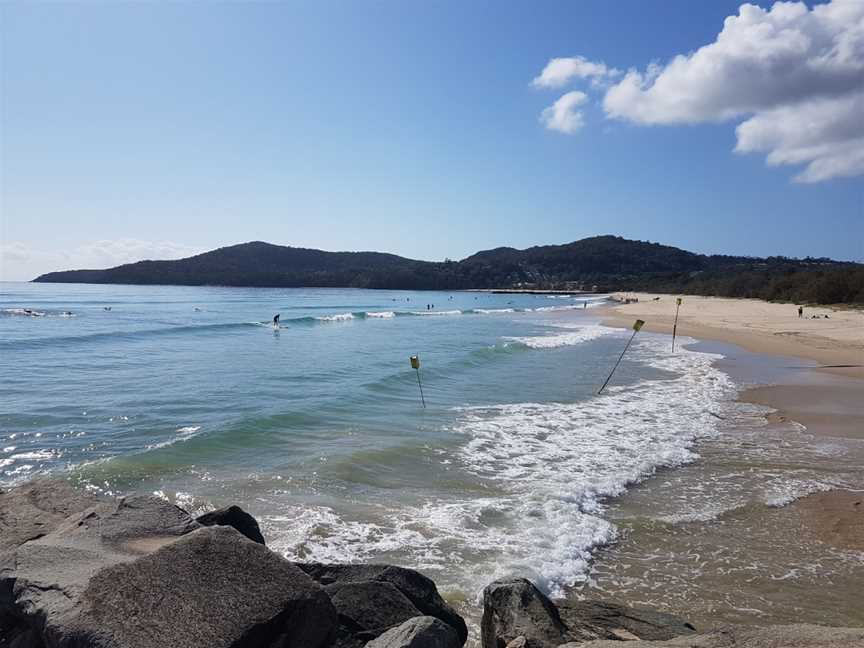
(415,364)
(638,325)
(420,385)
(675,325)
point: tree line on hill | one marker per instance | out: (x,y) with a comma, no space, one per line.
(601,263)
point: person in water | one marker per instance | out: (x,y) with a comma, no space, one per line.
(276,320)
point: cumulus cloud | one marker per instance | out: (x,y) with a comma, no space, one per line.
(22,262)
(794,75)
(825,134)
(562,116)
(559,71)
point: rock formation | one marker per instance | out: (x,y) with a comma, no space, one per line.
(81,571)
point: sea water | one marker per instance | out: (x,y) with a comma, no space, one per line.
(317,428)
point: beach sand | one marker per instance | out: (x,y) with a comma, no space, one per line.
(814,379)
(755,325)
(826,406)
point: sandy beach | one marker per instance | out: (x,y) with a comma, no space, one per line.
(818,383)
(830,337)
(826,399)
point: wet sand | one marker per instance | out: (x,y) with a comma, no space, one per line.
(837,517)
(796,559)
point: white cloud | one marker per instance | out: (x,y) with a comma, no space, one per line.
(559,71)
(21,262)
(795,75)
(562,116)
(824,134)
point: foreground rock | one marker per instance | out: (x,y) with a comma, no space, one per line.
(37,508)
(514,609)
(236,517)
(602,617)
(419,632)
(141,573)
(78,571)
(517,614)
(357,589)
(212,587)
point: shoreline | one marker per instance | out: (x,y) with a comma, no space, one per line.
(824,396)
(799,383)
(836,342)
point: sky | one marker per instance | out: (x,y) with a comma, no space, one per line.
(427,129)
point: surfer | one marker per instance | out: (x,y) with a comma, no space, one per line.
(276,321)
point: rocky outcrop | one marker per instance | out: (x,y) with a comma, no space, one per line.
(212,587)
(141,572)
(517,614)
(419,590)
(603,617)
(419,632)
(515,608)
(80,571)
(36,508)
(77,571)
(368,608)
(236,517)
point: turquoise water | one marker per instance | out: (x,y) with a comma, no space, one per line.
(317,427)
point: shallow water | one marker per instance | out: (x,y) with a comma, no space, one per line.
(316,428)
(718,541)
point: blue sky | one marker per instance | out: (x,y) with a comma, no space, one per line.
(153,129)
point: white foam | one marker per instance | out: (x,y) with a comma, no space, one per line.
(38,455)
(341,317)
(381,314)
(183,434)
(578,335)
(546,467)
(26,312)
(548,309)
(557,461)
(434,312)
(793,492)
(319,534)
(493,311)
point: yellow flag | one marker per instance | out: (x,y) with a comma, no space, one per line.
(415,362)
(638,325)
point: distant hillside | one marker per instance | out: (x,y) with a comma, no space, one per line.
(605,262)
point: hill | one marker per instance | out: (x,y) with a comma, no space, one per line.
(603,263)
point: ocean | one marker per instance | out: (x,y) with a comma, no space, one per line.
(515,466)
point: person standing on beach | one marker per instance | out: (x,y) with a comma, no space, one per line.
(800,311)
